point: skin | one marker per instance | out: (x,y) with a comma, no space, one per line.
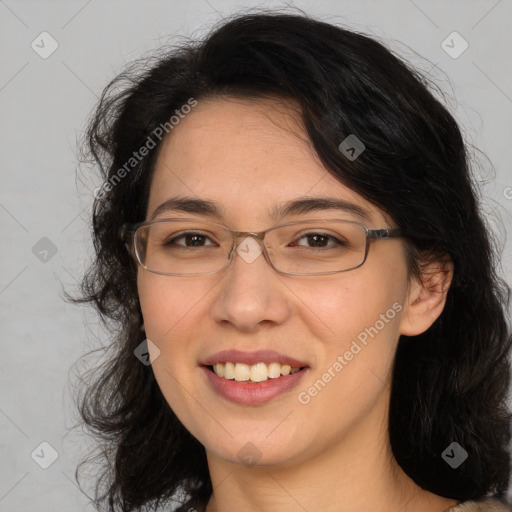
(333,453)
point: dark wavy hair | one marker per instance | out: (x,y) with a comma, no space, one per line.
(450,384)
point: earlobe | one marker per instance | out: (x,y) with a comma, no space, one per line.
(426,298)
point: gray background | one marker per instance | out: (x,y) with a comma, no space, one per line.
(44,104)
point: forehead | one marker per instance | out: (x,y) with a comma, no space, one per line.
(246,155)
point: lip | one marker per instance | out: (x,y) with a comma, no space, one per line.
(250,358)
(252,393)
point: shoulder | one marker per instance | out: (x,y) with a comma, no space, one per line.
(488,504)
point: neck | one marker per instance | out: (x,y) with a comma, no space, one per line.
(357,473)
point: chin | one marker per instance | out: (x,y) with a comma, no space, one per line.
(253,450)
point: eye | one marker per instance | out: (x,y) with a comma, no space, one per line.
(188,239)
(319,240)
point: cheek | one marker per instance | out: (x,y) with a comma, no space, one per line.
(169,303)
(361,326)
(341,307)
(356,318)
(171,307)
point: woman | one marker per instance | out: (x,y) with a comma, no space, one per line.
(288,233)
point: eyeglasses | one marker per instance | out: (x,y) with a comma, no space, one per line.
(191,247)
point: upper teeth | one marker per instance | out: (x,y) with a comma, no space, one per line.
(256,373)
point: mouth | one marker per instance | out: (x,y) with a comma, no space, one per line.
(258,366)
(252,378)
(259,372)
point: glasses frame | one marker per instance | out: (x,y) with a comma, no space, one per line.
(128,233)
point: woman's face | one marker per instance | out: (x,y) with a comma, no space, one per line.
(249,157)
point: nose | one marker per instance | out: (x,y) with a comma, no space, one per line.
(251,292)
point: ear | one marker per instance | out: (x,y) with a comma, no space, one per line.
(426,297)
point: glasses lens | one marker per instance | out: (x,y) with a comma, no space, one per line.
(317,247)
(179,247)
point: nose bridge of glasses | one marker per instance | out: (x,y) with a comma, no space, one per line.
(240,236)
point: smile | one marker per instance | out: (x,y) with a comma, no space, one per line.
(259,372)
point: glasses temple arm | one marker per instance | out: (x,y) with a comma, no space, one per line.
(376,234)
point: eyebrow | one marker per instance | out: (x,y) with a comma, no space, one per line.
(301,206)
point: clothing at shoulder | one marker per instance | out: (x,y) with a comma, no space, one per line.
(482,505)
